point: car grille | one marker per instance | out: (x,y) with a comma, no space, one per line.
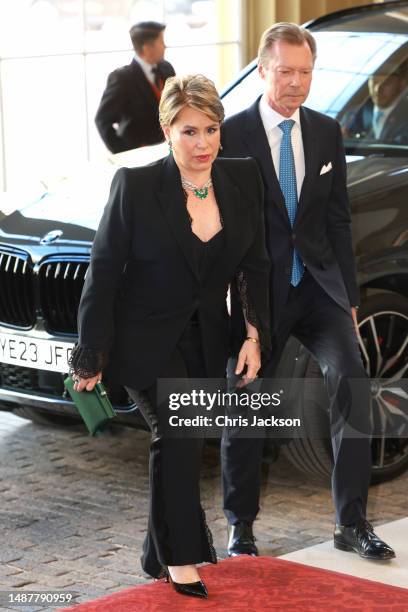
(17,290)
(29,379)
(17,377)
(60,283)
(52,289)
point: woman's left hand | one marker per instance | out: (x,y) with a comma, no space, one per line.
(249,356)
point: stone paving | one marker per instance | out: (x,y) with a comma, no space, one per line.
(74,508)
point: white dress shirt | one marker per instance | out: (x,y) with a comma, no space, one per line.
(271,119)
(147,68)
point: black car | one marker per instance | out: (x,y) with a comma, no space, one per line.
(45,246)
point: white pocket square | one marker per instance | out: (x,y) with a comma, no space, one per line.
(326,168)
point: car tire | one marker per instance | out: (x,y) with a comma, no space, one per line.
(313,455)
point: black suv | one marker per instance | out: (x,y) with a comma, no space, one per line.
(361,79)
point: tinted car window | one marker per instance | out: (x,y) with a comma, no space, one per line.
(378,112)
(360,78)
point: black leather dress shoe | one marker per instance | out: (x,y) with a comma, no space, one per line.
(194,589)
(241,540)
(361,539)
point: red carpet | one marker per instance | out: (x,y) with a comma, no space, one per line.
(259,584)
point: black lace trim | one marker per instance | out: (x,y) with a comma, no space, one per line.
(163,573)
(213,554)
(249,311)
(85,362)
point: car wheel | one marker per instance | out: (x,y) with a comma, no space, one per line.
(383,326)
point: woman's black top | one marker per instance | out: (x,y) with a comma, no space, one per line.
(205,256)
(206,253)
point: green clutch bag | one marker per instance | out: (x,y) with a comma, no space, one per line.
(94,406)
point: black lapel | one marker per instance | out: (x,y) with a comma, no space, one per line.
(143,84)
(236,216)
(173,204)
(230,204)
(258,147)
(309,140)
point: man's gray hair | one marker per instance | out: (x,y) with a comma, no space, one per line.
(288,32)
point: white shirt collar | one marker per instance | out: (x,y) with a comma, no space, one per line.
(147,68)
(271,118)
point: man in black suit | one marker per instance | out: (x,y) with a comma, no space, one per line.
(313,286)
(128,114)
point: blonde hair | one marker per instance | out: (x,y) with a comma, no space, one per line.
(288,32)
(193,90)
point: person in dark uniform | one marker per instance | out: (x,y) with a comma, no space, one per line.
(313,285)
(128,114)
(173,236)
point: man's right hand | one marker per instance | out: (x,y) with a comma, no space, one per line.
(81,384)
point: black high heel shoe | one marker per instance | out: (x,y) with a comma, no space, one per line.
(194,589)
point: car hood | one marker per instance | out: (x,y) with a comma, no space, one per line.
(367,176)
(72,206)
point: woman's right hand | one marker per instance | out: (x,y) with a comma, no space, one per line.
(86,383)
(249,356)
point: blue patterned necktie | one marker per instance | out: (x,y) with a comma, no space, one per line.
(377,120)
(287,180)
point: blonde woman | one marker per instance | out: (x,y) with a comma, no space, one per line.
(173,236)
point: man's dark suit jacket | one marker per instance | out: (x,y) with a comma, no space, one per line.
(142,286)
(129,101)
(394,130)
(322,231)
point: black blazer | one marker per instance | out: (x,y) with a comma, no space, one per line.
(142,287)
(129,101)
(322,232)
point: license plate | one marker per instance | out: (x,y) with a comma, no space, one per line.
(35,352)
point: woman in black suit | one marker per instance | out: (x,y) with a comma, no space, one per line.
(172,238)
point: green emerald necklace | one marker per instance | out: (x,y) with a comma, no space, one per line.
(199,192)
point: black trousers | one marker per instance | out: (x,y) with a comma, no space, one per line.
(327,331)
(177,530)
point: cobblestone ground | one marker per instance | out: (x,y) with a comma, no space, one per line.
(74,508)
